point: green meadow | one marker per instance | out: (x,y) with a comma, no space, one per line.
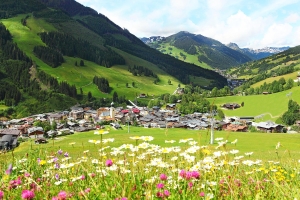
(271,79)
(26,37)
(166,48)
(261,144)
(272,106)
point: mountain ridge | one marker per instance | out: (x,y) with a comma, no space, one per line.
(205,50)
(260,53)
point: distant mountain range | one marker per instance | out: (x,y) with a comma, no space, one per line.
(207,52)
(257,54)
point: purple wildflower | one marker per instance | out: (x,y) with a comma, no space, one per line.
(59,152)
(9,169)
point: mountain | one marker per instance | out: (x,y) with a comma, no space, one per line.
(152,39)
(257,54)
(285,62)
(62,48)
(198,49)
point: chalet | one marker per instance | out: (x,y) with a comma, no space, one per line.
(171,106)
(142,95)
(35,131)
(269,127)
(90,115)
(13,132)
(56,117)
(8,142)
(231,106)
(236,128)
(51,133)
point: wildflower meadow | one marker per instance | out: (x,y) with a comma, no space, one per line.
(141,169)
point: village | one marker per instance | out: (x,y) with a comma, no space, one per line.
(80,119)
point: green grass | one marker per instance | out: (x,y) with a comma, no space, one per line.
(262,144)
(118,76)
(272,105)
(176,53)
(3,107)
(271,79)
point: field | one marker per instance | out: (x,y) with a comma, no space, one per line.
(154,164)
(272,106)
(26,37)
(262,144)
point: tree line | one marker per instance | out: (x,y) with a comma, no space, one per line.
(141,71)
(292,114)
(102,84)
(69,46)
(50,56)
(61,87)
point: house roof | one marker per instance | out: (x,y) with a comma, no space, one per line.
(33,129)
(9,132)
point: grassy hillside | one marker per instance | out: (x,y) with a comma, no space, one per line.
(26,37)
(271,79)
(272,105)
(200,50)
(181,55)
(270,65)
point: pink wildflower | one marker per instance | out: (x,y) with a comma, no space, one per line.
(27,194)
(167,193)
(160,185)
(108,163)
(163,177)
(62,195)
(182,173)
(1,194)
(87,190)
(202,194)
(190,184)
(159,195)
(195,174)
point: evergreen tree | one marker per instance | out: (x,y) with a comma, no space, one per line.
(81,63)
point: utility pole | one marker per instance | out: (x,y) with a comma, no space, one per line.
(212,130)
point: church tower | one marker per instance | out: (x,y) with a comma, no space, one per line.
(112,111)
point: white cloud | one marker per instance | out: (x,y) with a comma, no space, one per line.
(277,35)
(292,18)
(252,23)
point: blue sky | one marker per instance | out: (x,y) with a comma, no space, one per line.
(249,23)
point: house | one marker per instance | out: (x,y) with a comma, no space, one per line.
(8,142)
(171,106)
(76,114)
(236,128)
(56,117)
(35,131)
(231,106)
(269,127)
(142,95)
(13,132)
